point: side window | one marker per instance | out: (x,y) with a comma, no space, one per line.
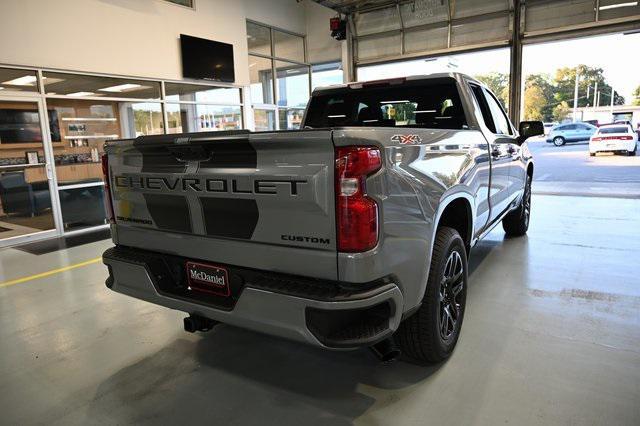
(570,127)
(499,117)
(484,108)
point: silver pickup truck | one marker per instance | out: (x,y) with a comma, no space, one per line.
(352,232)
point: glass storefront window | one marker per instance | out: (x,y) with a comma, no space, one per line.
(258,39)
(79,129)
(288,46)
(290,118)
(78,85)
(261,80)
(83,112)
(142,118)
(202,118)
(293,84)
(15,80)
(264,119)
(82,207)
(326,74)
(175,92)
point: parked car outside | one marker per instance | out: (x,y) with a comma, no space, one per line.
(614,138)
(571,132)
(548,126)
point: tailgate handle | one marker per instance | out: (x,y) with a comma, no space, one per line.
(190,153)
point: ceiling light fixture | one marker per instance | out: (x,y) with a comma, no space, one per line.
(27,80)
(615,6)
(121,88)
(80,94)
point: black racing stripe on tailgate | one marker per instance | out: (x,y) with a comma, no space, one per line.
(236,154)
(159,160)
(169,212)
(230,217)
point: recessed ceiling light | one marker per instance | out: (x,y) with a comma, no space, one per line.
(121,88)
(615,6)
(1,88)
(81,94)
(27,80)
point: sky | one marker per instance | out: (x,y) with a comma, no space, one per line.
(615,54)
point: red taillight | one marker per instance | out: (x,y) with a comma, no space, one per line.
(356,213)
(108,203)
(612,138)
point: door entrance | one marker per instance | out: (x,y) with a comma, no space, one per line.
(27,208)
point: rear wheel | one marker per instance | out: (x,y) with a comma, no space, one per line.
(516,223)
(592,154)
(633,153)
(558,141)
(431,334)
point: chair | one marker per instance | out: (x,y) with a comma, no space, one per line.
(23,198)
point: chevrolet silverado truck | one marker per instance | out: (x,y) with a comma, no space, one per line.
(352,232)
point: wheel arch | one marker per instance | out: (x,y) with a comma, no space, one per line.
(453,202)
(457,213)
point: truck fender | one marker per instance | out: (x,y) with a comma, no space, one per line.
(444,202)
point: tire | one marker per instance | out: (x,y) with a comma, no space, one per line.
(633,153)
(516,223)
(424,337)
(558,141)
(592,154)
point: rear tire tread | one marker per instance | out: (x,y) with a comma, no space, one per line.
(417,335)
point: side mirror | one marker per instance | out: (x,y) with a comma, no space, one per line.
(528,129)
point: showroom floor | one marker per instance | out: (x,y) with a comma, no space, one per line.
(551,336)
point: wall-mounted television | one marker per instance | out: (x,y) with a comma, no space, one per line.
(206,59)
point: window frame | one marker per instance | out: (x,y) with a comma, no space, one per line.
(500,110)
(275,92)
(485,111)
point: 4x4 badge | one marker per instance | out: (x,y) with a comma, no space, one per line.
(406,139)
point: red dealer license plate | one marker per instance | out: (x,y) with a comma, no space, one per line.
(208,278)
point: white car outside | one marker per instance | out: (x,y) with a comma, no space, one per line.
(614,138)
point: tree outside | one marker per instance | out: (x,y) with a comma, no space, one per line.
(498,83)
(636,96)
(550,98)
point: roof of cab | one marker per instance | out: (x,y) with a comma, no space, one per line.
(359,84)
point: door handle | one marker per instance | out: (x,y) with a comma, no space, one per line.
(49,171)
(190,153)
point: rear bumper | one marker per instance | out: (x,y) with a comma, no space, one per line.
(270,303)
(611,147)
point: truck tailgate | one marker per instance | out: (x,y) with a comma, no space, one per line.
(258,200)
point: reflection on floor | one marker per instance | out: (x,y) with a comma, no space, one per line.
(14,225)
(551,335)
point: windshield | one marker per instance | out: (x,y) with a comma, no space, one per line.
(427,104)
(620,129)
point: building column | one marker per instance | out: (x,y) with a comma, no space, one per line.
(515,68)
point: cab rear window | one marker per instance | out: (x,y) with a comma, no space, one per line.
(617,129)
(430,105)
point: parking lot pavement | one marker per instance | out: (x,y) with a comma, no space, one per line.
(569,170)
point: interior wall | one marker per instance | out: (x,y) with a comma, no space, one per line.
(321,46)
(133,38)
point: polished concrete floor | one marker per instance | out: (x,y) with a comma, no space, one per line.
(551,336)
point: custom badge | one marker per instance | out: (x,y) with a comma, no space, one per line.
(406,139)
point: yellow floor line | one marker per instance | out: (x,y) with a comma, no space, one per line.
(51,272)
